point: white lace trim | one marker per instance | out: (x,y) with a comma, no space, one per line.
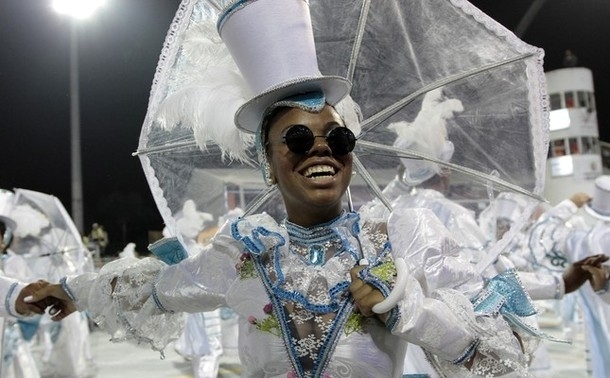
(130,312)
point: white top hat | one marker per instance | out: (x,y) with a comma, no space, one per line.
(599,206)
(272,43)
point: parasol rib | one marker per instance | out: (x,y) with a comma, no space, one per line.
(482,177)
(165,148)
(260,200)
(358,42)
(370,181)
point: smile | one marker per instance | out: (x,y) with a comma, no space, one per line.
(319,172)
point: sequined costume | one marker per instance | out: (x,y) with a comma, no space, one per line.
(296,316)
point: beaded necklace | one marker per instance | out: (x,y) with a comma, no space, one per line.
(313,245)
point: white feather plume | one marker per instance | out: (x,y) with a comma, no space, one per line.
(349,110)
(207,94)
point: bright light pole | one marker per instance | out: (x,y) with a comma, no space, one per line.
(77,10)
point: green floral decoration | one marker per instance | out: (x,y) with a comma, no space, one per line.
(355,323)
(385,271)
(269,324)
(245,267)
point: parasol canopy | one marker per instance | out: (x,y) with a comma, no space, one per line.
(394,52)
(47,236)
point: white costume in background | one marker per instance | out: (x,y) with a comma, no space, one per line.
(18,361)
(556,241)
(67,350)
(53,251)
(200,341)
(273,270)
(541,285)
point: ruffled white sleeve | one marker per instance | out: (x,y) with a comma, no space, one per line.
(149,295)
(129,312)
(435,314)
(200,283)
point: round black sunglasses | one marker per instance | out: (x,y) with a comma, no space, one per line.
(300,139)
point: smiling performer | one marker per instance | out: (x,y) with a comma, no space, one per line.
(321,293)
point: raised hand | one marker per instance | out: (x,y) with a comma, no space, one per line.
(365,295)
(60,303)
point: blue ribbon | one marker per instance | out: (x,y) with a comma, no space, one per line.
(169,250)
(504,294)
(260,239)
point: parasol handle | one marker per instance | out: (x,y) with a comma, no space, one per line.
(399,288)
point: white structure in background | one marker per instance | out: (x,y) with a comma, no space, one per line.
(574,159)
(605,146)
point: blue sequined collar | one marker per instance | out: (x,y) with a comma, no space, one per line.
(321,232)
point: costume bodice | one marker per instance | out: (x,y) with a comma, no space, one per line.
(304,274)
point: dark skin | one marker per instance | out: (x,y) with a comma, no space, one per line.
(53,296)
(588,269)
(599,275)
(26,308)
(308,200)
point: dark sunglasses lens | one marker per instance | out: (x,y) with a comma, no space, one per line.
(341,141)
(299,139)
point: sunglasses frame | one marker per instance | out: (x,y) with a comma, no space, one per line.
(293,138)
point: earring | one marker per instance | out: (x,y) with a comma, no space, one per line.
(269,179)
(265,167)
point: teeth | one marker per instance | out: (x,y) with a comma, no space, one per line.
(319,170)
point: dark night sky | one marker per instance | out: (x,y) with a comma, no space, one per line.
(118,53)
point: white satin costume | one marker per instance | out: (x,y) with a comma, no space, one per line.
(289,286)
(557,240)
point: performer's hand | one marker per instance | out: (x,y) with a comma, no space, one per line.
(599,274)
(365,295)
(61,304)
(580,199)
(27,308)
(581,271)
